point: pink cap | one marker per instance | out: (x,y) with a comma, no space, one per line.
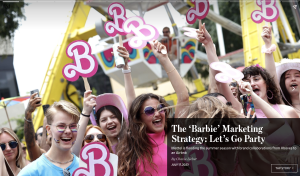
(113,100)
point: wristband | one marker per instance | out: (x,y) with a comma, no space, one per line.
(126,71)
(269,50)
(85,115)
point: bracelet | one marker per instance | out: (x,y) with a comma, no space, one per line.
(126,71)
(269,50)
(171,70)
(27,120)
(85,115)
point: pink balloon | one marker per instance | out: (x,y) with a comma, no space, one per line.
(118,12)
(269,12)
(198,12)
(85,64)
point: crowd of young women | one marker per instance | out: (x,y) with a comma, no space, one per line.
(138,133)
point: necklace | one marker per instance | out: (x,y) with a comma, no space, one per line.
(58,161)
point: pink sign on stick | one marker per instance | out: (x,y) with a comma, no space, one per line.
(85,64)
(269,12)
(143,32)
(96,156)
(118,12)
(198,12)
(227,72)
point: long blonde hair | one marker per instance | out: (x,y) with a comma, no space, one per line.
(19,160)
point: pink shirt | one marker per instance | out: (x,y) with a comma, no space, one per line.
(159,156)
(284,136)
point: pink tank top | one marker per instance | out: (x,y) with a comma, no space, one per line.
(159,157)
(284,136)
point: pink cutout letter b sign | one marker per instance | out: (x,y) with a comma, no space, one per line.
(96,156)
(85,64)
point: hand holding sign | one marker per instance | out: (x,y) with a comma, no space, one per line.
(198,12)
(227,72)
(269,12)
(143,32)
(96,155)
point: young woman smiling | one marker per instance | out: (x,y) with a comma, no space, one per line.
(143,148)
(12,150)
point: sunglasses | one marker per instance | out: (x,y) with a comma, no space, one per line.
(40,134)
(12,144)
(149,110)
(166,32)
(233,84)
(89,138)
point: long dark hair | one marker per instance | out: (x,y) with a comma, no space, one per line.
(270,83)
(285,94)
(135,144)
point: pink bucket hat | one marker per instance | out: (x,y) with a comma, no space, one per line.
(113,100)
(285,65)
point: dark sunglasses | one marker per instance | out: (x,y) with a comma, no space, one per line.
(149,110)
(166,31)
(89,138)
(12,144)
(233,84)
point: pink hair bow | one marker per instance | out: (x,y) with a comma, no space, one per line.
(258,66)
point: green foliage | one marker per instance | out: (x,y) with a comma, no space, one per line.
(10,14)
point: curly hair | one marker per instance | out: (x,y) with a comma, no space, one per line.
(270,83)
(135,143)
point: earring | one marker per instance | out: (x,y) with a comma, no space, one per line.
(271,93)
(57,141)
(73,142)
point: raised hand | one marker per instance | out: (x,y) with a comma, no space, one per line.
(203,36)
(267,35)
(123,53)
(32,103)
(157,47)
(89,102)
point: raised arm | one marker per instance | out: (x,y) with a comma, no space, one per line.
(205,38)
(44,144)
(269,59)
(129,88)
(212,87)
(88,104)
(33,149)
(275,119)
(174,77)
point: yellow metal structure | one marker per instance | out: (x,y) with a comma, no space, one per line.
(251,33)
(283,33)
(54,82)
